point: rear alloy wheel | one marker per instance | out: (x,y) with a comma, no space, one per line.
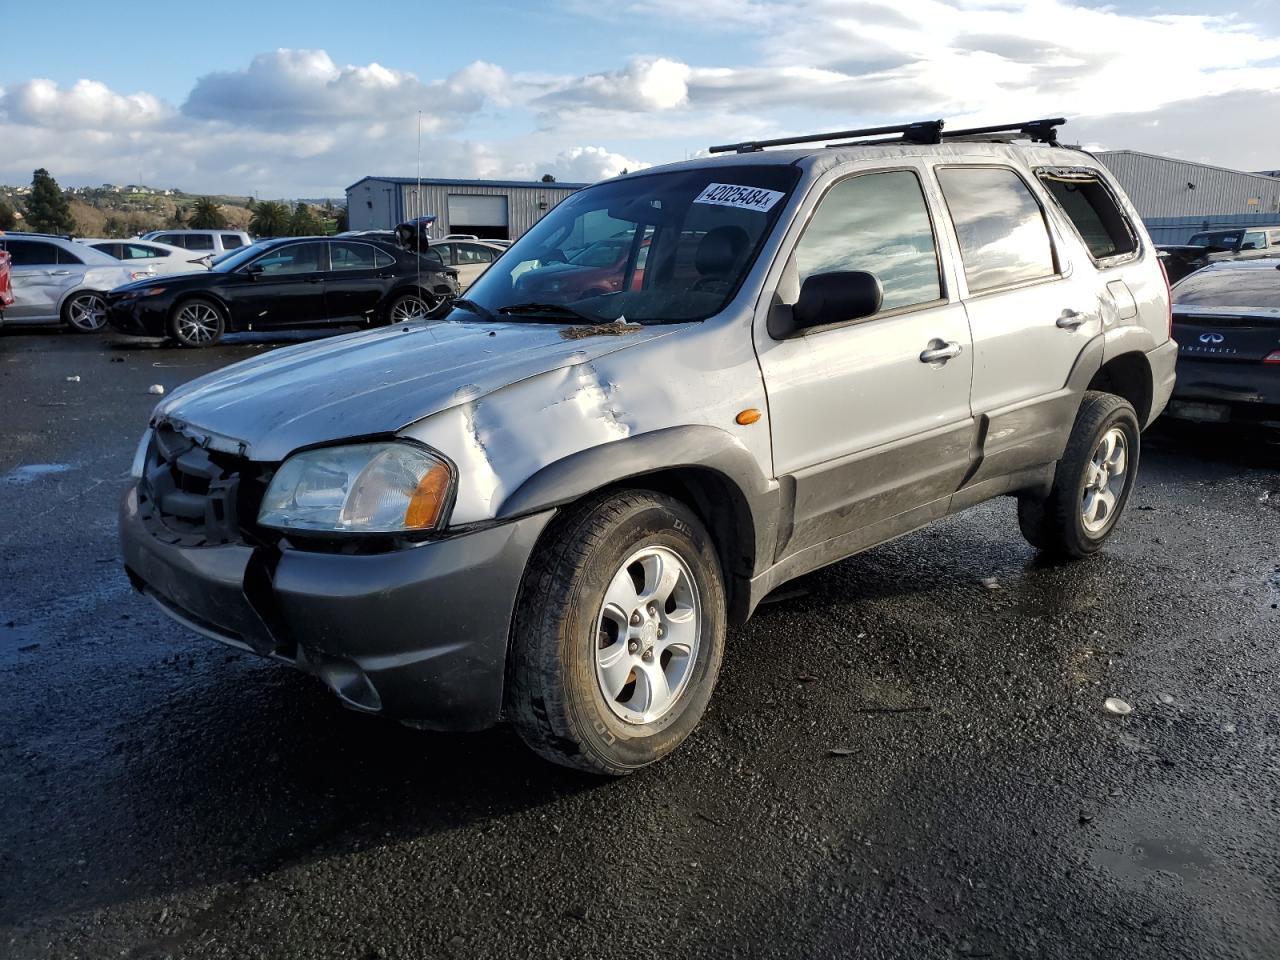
(197,323)
(412,306)
(85,312)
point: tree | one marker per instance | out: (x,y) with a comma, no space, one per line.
(116,226)
(270,219)
(207,215)
(341,221)
(48,210)
(304,223)
(548,178)
(178,220)
(8,219)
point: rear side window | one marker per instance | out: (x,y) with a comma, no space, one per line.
(110,249)
(384,260)
(67,256)
(32,253)
(351,256)
(1093,211)
(1001,228)
(135,251)
(173,239)
(198,241)
(232,241)
(1254,241)
(877,223)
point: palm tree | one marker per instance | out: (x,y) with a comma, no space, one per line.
(270,219)
(207,215)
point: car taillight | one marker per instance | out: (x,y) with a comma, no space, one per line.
(1168,295)
(1272,357)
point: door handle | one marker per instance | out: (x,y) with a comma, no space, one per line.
(940,351)
(59,273)
(1070,319)
(315,280)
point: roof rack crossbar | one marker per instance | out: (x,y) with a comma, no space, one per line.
(923,131)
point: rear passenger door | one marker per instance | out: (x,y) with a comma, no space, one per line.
(1031,314)
(353,287)
(870,435)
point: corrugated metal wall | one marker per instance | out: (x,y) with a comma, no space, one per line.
(1158,187)
(525,205)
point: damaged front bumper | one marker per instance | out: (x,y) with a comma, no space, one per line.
(418,634)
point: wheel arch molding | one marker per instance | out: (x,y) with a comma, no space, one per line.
(705,467)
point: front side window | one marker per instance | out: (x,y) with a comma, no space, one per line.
(110,249)
(877,223)
(699,229)
(1001,228)
(296,258)
(198,241)
(470,253)
(1093,211)
(173,239)
(133,251)
(352,256)
(1254,241)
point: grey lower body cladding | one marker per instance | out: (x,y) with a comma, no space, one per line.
(418,634)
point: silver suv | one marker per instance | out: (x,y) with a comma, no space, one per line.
(57,280)
(550,509)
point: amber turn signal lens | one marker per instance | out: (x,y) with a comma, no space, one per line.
(427,502)
(749,415)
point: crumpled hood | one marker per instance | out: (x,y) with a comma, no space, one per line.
(373,382)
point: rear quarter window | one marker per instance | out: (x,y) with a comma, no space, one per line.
(1093,210)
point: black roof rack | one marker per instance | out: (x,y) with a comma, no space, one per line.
(923,131)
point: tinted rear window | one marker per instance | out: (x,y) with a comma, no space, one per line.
(1093,211)
(1001,228)
(1258,288)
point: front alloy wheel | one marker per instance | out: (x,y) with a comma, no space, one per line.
(412,306)
(197,323)
(86,312)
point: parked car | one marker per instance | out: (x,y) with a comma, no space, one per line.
(160,258)
(210,242)
(291,282)
(1215,246)
(6,290)
(57,280)
(469,258)
(1226,319)
(550,510)
(596,269)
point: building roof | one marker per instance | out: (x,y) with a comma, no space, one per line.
(503,184)
(1190,163)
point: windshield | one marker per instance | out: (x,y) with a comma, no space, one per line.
(1221,241)
(1257,288)
(229,261)
(657,248)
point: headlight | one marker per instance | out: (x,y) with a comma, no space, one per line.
(140,456)
(366,488)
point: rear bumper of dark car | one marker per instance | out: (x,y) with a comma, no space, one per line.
(1226,390)
(419,634)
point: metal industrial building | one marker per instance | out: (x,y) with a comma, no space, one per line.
(499,209)
(1177,198)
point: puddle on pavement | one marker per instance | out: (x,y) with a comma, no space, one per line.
(33,471)
(16,642)
(1145,856)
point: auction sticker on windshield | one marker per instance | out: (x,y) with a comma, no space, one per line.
(748,198)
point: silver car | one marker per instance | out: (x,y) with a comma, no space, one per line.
(550,509)
(57,280)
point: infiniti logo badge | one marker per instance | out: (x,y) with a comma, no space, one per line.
(1211,338)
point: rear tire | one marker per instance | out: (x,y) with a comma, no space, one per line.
(197,323)
(1091,484)
(607,672)
(85,312)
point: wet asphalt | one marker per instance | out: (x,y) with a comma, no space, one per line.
(161,796)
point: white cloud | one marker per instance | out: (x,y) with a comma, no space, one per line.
(87,104)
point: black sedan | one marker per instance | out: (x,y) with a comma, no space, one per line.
(1226,319)
(290,282)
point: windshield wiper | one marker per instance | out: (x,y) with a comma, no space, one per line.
(560,311)
(474,307)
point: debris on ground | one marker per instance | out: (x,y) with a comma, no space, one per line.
(156,389)
(991,583)
(75,379)
(841,752)
(1166,699)
(806,678)
(1117,706)
(915,708)
(1086,816)
(1228,728)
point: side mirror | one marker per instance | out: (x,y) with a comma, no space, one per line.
(837,298)
(253,271)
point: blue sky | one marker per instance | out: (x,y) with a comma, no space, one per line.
(259,97)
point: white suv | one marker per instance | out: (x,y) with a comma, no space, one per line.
(214,243)
(549,509)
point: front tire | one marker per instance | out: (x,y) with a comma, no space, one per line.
(619,634)
(197,323)
(1092,482)
(412,306)
(85,312)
